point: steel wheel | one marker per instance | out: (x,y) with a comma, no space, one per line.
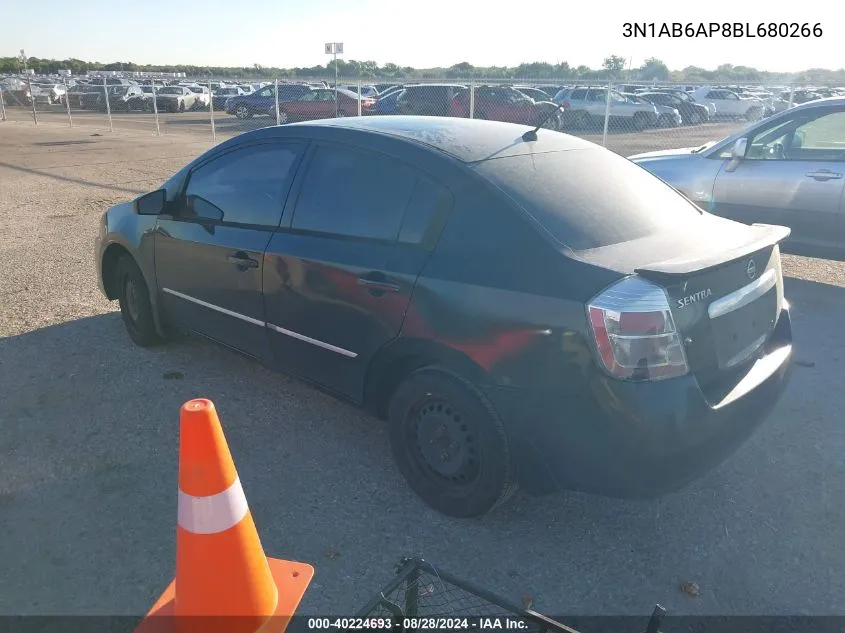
(446,448)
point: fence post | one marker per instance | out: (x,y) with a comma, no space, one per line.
(791,94)
(67,103)
(2,106)
(606,114)
(31,99)
(472,99)
(276,98)
(359,97)
(108,105)
(211,111)
(155,108)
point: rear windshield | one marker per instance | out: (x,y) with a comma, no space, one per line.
(590,198)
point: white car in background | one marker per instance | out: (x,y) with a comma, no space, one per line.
(730,104)
(203,96)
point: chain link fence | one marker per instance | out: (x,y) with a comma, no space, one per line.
(627,118)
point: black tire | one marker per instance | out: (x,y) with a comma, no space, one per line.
(475,472)
(695,118)
(135,306)
(640,121)
(242,111)
(754,114)
(580,119)
(181,106)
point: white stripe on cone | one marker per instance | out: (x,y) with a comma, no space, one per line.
(212,514)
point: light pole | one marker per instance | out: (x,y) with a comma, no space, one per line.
(29,87)
(334,49)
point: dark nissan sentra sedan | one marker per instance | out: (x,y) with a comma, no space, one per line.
(541,313)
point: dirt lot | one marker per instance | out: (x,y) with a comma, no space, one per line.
(88,447)
(198,125)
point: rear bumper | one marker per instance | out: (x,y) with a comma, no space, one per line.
(627,439)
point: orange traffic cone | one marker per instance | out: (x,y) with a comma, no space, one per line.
(223,580)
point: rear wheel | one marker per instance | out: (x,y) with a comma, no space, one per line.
(580,119)
(242,111)
(695,118)
(640,121)
(450,444)
(754,114)
(135,306)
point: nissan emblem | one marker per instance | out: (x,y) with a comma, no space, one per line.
(751,269)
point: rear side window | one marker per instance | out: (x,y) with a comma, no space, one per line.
(356,193)
(590,198)
(249,185)
(578,95)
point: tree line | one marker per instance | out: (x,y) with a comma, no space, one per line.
(613,67)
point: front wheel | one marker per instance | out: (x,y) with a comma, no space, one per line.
(242,111)
(135,306)
(640,121)
(450,444)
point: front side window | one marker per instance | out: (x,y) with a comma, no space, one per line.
(819,136)
(247,185)
(354,193)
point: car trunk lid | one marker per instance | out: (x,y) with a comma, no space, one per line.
(725,297)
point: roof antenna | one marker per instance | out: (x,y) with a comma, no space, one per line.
(531,135)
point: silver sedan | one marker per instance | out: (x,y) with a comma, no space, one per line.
(787,170)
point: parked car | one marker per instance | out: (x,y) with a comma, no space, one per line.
(667,116)
(504,103)
(74,95)
(586,106)
(688,98)
(247,88)
(729,104)
(203,97)
(126,99)
(534,93)
(175,99)
(429,99)
(366,91)
(50,93)
(787,169)
(801,96)
(264,100)
(387,103)
(220,96)
(601,333)
(691,113)
(325,103)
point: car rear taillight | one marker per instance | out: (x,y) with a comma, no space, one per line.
(634,332)
(565,105)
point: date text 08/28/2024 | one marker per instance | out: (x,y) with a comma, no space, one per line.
(444,625)
(722,29)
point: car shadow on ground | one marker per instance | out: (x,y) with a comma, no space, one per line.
(88,467)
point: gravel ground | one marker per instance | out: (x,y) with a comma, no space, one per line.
(198,124)
(88,447)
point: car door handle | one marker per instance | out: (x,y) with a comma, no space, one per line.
(824,174)
(242,260)
(377,282)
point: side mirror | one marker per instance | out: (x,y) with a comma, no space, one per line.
(151,203)
(737,153)
(739,149)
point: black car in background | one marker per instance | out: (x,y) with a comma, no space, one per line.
(523,310)
(428,99)
(691,113)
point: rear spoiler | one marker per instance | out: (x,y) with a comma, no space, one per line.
(763,236)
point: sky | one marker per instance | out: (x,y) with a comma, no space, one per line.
(422,34)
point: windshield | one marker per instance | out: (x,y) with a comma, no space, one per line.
(118,90)
(559,191)
(227,91)
(172,90)
(197,89)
